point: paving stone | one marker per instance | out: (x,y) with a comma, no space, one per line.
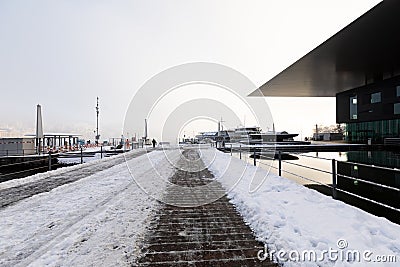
(205,235)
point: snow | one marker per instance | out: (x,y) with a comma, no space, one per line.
(289,217)
(98,220)
(102,219)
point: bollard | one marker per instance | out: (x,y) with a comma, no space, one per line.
(254,157)
(231,150)
(81,155)
(240,151)
(49,160)
(280,163)
(101,152)
(334,179)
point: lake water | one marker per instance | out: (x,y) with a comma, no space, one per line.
(323,161)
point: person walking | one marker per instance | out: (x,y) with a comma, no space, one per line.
(154,142)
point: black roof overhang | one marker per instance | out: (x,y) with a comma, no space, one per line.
(367,47)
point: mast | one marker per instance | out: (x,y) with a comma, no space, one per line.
(97,121)
(39,128)
(222,126)
(145,129)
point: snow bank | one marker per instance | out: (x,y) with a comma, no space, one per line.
(292,218)
(99,220)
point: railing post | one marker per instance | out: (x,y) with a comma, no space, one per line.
(280,163)
(81,155)
(254,157)
(49,160)
(334,179)
(240,151)
(101,152)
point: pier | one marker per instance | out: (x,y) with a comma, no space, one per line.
(98,214)
(214,234)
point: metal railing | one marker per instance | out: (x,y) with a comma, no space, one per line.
(17,152)
(257,152)
(20,169)
(37,163)
(25,165)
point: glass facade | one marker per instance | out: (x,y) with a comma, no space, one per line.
(360,132)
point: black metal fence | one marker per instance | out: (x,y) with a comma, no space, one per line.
(22,163)
(376,189)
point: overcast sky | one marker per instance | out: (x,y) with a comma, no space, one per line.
(62,54)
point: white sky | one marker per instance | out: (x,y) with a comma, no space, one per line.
(62,54)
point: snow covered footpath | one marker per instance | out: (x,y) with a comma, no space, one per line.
(299,221)
(99,220)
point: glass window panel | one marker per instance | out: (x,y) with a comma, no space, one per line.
(376,97)
(396,108)
(353,107)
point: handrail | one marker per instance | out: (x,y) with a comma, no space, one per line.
(307,167)
(333,173)
(371,200)
(23,162)
(374,166)
(272,166)
(32,169)
(296,174)
(308,179)
(314,157)
(368,182)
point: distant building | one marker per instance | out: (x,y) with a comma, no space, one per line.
(14,146)
(328,136)
(360,66)
(4,132)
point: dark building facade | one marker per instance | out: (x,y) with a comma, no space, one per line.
(371,111)
(360,66)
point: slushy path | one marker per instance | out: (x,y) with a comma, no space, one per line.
(199,235)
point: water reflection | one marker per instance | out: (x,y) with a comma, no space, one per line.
(390,159)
